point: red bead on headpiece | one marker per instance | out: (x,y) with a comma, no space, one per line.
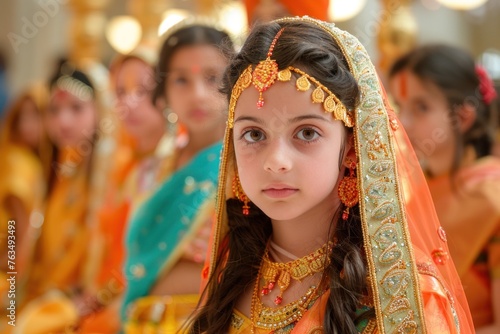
(266,72)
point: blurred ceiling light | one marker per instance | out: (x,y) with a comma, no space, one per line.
(170,18)
(123,33)
(343,10)
(233,18)
(462,4)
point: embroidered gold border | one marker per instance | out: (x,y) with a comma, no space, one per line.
(396,273)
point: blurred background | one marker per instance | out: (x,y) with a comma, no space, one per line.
(35,33)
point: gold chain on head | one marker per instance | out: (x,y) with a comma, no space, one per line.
(265,75)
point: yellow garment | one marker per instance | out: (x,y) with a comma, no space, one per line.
(160,314)
(64,236)
(21,175)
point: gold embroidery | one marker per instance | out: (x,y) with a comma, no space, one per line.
(236,321)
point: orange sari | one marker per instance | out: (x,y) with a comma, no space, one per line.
(462,203)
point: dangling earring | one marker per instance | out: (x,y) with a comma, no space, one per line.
(240,195)
(171,118)
(167,141)
(348,190)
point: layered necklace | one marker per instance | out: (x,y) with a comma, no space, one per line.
(281,274)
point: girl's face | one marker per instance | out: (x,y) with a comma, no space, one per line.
(288,152)
(29,125)
(134,85)
(192,86)
(70,120)
(424,112)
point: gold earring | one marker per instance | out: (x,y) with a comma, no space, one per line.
(240,194)
(348,190)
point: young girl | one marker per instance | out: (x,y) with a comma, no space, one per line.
(167,235)
(75,170)
(21,174)
(445,103)
(21,185)
(136,173)
(324,223)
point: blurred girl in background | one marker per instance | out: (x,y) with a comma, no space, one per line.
(167,235)
(445,103)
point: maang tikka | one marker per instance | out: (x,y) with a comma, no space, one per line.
(267,72)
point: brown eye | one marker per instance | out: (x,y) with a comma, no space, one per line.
(307,134)
(253,136)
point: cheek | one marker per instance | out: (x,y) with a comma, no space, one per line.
(249,167)
(87,119)
(52,128)
(434,124)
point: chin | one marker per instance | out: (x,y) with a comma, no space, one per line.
(276,211)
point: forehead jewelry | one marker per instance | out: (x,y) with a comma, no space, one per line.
(265,75)
(266,72)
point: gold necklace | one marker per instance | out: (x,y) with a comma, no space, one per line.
(268,318)
(282,273)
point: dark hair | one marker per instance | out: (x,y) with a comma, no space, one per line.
(65,68)
(192,35)
(312,49)
(453,71)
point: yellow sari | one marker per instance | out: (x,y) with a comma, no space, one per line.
(21,177)
(64,235)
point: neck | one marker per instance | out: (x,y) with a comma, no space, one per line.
(197,142)
(147,144)
(304,234)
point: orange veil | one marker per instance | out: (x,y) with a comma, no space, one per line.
(402,235)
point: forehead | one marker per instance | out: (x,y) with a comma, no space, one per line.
(281,100)
(407,85)
(201,56)
(133,70)
(63,96)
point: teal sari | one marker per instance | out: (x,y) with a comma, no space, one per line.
(163,224)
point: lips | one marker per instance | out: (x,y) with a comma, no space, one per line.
(198,113)
(279,191)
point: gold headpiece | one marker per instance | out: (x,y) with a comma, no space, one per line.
(265,75)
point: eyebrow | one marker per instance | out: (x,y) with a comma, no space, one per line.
(290,121)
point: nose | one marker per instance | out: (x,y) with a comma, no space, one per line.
(278,158)
(200,89)
(64,118)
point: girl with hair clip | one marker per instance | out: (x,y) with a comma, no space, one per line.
(75,168)
(324,220)
(445,104)
(167,235)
